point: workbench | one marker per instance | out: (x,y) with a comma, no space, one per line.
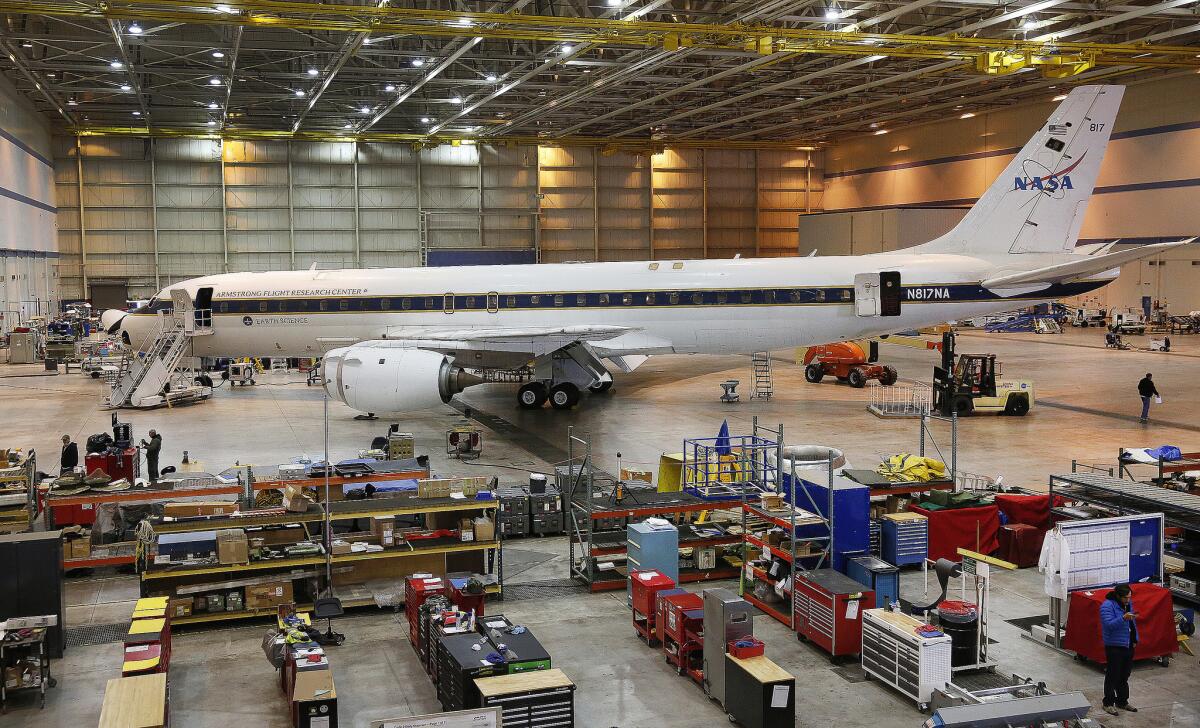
(544,698)
(135,702)
(759,693)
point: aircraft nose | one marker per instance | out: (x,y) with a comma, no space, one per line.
(111,320)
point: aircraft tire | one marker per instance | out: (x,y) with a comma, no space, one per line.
(564,396)
(532,395)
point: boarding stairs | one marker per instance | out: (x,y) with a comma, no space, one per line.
(762,383)
(142,381)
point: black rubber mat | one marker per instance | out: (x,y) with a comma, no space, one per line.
(1026,622)
(542,589)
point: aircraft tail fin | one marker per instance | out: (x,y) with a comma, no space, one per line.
(1038,202)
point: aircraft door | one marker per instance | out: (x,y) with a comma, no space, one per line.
(182,309)
(877,294)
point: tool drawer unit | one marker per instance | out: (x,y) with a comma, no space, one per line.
(512,511)
(543,699)
(652,547)
(893,652)
(878,575)
(828,606)
(876,530)
(545,512)
(905,538)
(458,667)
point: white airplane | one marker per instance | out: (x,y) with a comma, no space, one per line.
(403,339)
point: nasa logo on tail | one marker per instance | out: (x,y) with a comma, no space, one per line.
(1052,182)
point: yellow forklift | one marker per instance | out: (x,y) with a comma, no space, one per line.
(970,385)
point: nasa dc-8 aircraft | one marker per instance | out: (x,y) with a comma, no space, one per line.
(403,339)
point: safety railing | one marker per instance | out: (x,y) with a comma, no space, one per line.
(902,399)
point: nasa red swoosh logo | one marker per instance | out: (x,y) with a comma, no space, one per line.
(1064,172)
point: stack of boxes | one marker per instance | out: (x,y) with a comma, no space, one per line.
(545,509)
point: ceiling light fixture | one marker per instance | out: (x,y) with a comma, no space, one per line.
(418,62)
(211,122)
(832,13)
(346,126)
(367,41)
(299,93)
(313,71)
(881,132)
(1060,97)
(26,44)
(72,102)
(1030,23)
(137,113)
(212,105)
(126,87)
(568,48)
(456,100)
(465,22)
(390,87)
(225,9)
(967,115)
(135,29)
(116,64)
(491,78)
(214,82)
(218,54)
(425,120)
(365,109)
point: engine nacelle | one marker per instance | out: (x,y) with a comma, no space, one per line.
(379,379)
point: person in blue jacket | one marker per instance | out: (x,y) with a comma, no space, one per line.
(1118,626)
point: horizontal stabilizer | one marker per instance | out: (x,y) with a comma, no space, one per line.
(1085,266)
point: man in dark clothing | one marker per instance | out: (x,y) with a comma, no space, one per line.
(1118,628)
(152,449)
(70,456)
(1147,390)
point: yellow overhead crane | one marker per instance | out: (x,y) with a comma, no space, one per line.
(992,56)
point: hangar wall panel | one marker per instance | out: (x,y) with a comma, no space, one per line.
(1145,193)
(158,211)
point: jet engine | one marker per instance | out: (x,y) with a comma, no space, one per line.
(378,379)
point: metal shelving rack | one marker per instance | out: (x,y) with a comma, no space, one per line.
(1123,497)
(23,476)
(1188,461)
(168,578)
(583,509)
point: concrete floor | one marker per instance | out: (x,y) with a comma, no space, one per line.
(1087,408)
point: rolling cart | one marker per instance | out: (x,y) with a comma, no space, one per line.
(23,640)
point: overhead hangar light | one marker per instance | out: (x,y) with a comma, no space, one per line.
(218,54)
(390,87)
(425,120)
(832,14)
(126,87)
(214,82)
(313,71)
(211,122)
(116,64)
(299,93)
(135,29)
(365,110)
(418,62)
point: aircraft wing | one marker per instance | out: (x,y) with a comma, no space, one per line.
(501,347)
(1085,266)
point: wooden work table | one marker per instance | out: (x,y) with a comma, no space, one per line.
(135,702)
(523,682)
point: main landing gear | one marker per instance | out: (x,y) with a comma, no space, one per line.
(561,377)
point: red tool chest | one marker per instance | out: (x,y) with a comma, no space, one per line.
(646,587)
(828,610)
(416,590)
(465,602)
(114,464)
(683,633)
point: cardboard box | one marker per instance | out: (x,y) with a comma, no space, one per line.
(12,677)
(279,536)
(232,546)
(200,508)
(485,529)
(384,529)
(262,596)
(897,503)
(77,548)
(181,607)
(772,501)
(339,547)
(433,488)
(466,529)
(294,499)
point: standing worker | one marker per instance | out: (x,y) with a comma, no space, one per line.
(1147,390)
(70,456)
(1118,627)
(152,449)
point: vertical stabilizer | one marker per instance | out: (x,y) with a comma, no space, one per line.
(1038,202)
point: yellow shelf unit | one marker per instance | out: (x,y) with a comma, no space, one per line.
(316,515)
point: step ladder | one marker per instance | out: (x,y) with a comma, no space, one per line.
(762,386)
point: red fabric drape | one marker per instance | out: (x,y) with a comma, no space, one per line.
(1155,623)
(1032,510)
(954,528)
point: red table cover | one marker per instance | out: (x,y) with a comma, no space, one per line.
(1021,544)
(954,528)
(1032,510)
(1155,623)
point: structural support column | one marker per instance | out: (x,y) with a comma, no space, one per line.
(357,223)
(154,209)
(422,240)
(83,272)
(807,182)
(650,202)
(291,210)
(479,207)
(757,206)
(224,211)
(596,205)
(703,204)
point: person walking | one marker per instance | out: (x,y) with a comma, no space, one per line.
(1118,627)
(1147,390)
(69,457)
(152,449)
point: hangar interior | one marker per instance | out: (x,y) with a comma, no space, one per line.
(148,143)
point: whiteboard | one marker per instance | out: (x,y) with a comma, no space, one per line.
(1101,552)
(476,718)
